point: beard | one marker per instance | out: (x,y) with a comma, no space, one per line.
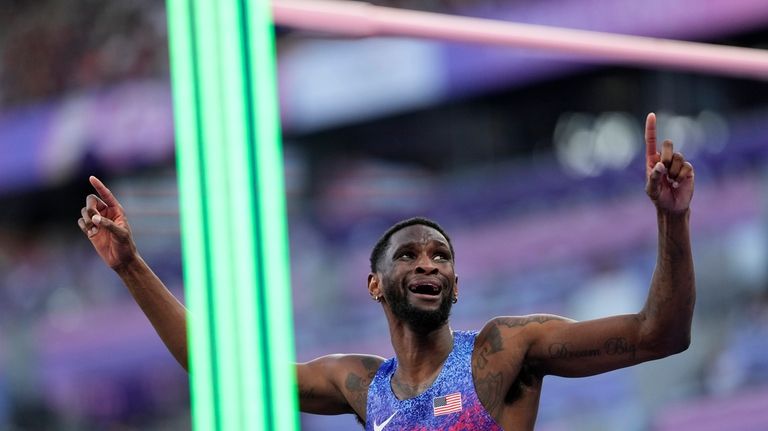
(417,319)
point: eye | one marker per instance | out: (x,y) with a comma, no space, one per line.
(441,257)
(405,255)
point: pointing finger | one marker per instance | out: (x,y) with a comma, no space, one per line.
(650,136)
(104,192)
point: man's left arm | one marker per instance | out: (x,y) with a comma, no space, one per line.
(663,327)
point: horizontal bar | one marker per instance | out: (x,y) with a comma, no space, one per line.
(349,18)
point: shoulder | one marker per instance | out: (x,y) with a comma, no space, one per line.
(349,374)
(342,367)
(524,321)
(513,334)
(502,327)
(499,358)
(360,371)
(362,366)
(354,374)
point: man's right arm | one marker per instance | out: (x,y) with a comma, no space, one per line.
(336,384)
(166,314)
(103,220)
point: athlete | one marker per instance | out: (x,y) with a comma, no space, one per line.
(442,379)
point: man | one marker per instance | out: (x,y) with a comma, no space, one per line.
(450,380)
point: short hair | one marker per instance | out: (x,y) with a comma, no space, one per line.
(383,242)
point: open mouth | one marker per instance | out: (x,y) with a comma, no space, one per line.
(425,288)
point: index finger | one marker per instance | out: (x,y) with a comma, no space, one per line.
(105,194)
(650,136)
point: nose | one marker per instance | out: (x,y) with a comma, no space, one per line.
(425,265)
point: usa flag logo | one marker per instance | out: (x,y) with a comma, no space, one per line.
(447,404)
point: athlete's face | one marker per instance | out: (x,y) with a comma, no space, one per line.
(418,280)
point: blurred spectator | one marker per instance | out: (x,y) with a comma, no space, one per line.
(49,47)
(743,361)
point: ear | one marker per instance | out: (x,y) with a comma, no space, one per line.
(456,288)
(374,289)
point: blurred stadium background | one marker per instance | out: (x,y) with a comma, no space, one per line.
(532,161)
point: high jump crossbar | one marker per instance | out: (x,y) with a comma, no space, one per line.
(356,19)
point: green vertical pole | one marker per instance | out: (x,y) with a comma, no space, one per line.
(234,230)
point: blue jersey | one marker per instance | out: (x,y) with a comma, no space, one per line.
(449,404)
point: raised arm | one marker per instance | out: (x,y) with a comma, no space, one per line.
(329,385)
(103,220)
(554,345)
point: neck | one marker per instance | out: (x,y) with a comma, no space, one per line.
(420,355)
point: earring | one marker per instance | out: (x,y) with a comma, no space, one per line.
(376,298)
(455,299)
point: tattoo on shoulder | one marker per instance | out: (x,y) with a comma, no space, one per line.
(357,383)
(492,341)
(614,346)
(490,391)
(501,383)
(491,344)
(371,365)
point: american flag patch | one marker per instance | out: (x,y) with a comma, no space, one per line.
(447,404)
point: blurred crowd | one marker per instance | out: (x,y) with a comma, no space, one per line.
(49,47)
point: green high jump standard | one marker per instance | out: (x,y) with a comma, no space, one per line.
(233,221)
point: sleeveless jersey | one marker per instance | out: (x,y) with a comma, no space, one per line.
(449,404)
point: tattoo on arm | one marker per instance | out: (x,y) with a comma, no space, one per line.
(489,385)
(619,346)
(489,389)
(565,351)
(514,322)
(357,385)
(492,344)
(614,346)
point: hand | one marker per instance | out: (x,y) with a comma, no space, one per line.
(669,178)
(103,221)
